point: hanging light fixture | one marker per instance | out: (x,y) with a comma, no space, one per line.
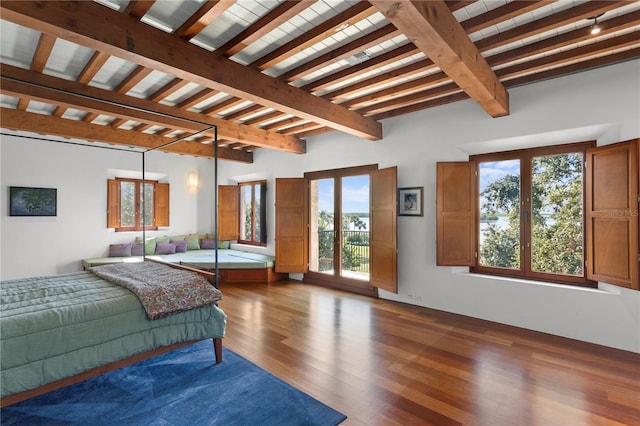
(595,28)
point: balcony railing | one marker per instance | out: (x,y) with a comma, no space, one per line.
(355,251)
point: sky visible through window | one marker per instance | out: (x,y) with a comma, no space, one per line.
(355,194)
(494,170)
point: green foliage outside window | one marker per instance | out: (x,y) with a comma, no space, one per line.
(556,217)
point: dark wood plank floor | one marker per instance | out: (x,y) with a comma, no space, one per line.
(387,363)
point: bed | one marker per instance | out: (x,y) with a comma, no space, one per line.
(233,265)
(58,329)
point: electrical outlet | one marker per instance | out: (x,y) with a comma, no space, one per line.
(410,296)
(419,297)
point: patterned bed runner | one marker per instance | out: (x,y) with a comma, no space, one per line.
(162,290)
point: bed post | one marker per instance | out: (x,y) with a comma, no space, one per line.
(217,349)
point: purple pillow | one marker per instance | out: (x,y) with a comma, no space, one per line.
(208,243)
(120,250)
(137,249)
(165,248)
(181,245)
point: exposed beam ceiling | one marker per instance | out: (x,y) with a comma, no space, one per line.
(100,101)
(438,34)
(271,73)
(123,36)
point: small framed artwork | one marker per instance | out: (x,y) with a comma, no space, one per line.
(32,201)
(410,201)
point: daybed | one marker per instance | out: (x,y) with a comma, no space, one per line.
(233,265)
(60,326)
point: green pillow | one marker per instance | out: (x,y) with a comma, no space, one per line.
(149,245)
(163,240)
(224,244)
(193,242)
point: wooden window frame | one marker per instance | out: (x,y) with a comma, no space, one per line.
(525,156)
(262,184)
(611,235)
(160,205)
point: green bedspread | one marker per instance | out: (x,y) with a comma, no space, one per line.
(54,327)
(227,259)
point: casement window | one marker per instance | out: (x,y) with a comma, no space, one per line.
(253,213)
(553,214)
(242,213)
(133,204)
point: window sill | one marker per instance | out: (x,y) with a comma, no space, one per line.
(603,288)
(250,248)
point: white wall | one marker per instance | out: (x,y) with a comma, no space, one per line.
(602,104)
(32,246)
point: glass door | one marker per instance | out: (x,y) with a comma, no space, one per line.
(354,232)
(339,226)
(322,236)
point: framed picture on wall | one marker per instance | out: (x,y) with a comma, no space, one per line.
(25,201)
(410,201)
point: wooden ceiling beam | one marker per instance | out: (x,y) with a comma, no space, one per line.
(134,77)
(539,26)
(502,13)
(138,8)
(413,86)
(372,64)
(385,78)
(97,27)
(196,98)
(576,36)
(100,101)
(477,23)
(557,41)
(208,12)
(223,105)
(92,67)
(45,124)
(345,51)
(518,72)
(43,50)
(433,29)
(448,99)
(625,55)
(171,87)
(454,5)
(263,26)
(320,32)
(245,112)
(580,53)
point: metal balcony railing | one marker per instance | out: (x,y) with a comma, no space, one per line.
(355,251)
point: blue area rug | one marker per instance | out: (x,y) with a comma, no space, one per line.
(183,387)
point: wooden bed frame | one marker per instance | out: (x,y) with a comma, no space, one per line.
(94,372)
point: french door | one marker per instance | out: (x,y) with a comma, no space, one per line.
(338,227)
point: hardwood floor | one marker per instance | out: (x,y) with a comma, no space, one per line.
(387,363)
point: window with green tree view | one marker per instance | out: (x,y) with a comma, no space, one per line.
(253,213)
(531,220)
(133,203)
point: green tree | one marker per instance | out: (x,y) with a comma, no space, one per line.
(557,194)
(500,247)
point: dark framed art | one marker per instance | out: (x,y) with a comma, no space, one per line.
(410,201)
(24,201)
